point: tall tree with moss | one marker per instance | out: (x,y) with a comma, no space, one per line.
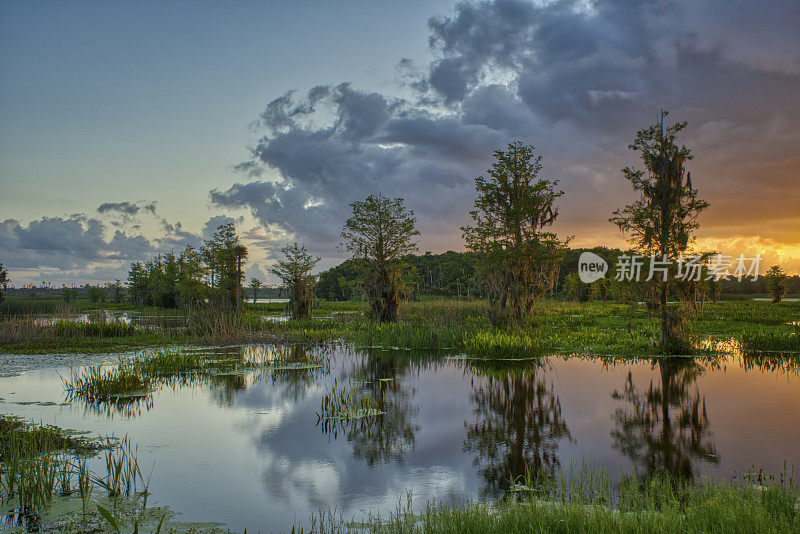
(294,269)
(662,221)
(96,294)
(775,281)
(117,291)
(512,209)
(192,289)
(3,282)
(381,232)
(255,287)
(225,255)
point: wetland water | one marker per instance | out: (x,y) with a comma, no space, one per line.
(248,450)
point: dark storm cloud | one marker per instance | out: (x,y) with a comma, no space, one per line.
(577,79)
(371,144)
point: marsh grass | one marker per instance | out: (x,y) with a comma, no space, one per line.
(587,500)
(407,336)
(448,326)
(38,463)
(31,329)
(123,476)
(15,306)
(786,340)
(97,384)
(499,344)
(219,323)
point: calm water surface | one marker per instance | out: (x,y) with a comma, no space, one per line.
(249,451)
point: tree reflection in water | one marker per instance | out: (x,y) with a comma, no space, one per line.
(665,427)
(224,388)
(389,436)
(774,362)
(297,381)
(294,368)
(518,425)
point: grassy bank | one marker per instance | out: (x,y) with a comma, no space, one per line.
(567,327)
(31,335)
(446,325)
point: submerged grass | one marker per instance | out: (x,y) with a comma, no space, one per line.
(348,403)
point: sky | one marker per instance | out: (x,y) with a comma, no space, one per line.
(131,129)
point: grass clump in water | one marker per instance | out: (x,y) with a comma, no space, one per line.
(500,344)
(349,403)
(129,385)
(167,363)
(96,384)
(36,439)
(405,336)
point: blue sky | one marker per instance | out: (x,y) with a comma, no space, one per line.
(130,104)
(113,100)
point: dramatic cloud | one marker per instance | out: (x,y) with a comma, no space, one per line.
(372,144)
(577,79)
(82,249)
(65,243)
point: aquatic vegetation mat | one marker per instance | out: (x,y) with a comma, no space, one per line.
(128,386)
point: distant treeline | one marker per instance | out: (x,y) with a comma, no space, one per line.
(171,280)
(452,274)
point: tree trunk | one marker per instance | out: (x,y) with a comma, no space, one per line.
(383,301)
(239,282)
(663,334)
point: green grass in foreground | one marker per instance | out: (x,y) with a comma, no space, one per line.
(585,501)
(46,480)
